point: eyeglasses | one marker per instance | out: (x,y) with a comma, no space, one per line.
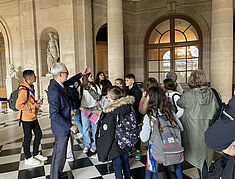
(65,72)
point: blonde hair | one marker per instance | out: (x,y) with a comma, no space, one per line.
(197,79)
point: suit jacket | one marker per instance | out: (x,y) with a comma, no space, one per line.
(60,109)
(60,106)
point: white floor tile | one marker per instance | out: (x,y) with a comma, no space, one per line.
(9,159)
(87,172)
(9,175)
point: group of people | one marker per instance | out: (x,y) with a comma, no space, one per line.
(99,105)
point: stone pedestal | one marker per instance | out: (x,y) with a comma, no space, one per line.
(45,80)
(11,85)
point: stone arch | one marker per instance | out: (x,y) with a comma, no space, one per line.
(44,38)
(7,40)
(96,27)
(196,17)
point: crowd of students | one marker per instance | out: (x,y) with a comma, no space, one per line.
(99,107)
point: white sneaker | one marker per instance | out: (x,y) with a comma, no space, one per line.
(40,157)
(80,136)
(32,161)
(70,159)
(93,149)
(85,150)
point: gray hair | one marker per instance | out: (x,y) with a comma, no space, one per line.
(57,68)
(172,75)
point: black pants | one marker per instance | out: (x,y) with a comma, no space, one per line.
(28,126)
(59,156)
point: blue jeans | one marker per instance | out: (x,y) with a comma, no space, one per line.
(150,175)
(86,130)
(122,163)
(178,171)
(77,120)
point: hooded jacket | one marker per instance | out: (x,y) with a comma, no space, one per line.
(199,105)
(107,147)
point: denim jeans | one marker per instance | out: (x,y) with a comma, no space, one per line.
(150,175)
(86,129)
(178,171)
(77,120)
(122,163)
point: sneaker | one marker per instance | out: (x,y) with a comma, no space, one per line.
(93,149)
(32,161)
(40,157)
(85,150)
(130,154)
(80,136)
(70,159)
(137,155)
(94,156)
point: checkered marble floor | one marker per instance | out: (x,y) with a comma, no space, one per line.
(85,166)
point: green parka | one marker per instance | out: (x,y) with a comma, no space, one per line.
(199,105)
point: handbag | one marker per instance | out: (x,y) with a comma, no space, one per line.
(93,116)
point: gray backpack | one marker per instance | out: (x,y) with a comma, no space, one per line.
(166,145)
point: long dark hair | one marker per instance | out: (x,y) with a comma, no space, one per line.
(106,84)
(85,82)
(97,79)
(159,101)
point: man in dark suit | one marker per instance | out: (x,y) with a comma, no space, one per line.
(60,114)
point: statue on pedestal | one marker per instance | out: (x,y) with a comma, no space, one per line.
(12,82)
(53,53)
(11,73)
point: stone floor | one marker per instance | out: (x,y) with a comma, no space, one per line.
(85,165)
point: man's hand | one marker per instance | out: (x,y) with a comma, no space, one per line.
(74,128)
(87,70)
(230,150)
(37,105)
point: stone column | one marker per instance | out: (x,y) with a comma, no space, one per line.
(222,47)
(115,40)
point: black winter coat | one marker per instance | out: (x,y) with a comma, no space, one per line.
(221,134)
(106,144)
(137,93)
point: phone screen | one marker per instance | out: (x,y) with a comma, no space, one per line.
(89,85)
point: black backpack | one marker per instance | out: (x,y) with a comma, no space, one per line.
(14,96)
(221,107)
(127,130)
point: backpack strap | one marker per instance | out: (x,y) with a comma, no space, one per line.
(27,89)
(176,94)
(217,97)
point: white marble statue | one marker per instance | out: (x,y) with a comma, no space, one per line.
(11,73)
(53,53)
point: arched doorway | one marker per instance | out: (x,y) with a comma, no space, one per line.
(3,93)
(173,43)
(102,50)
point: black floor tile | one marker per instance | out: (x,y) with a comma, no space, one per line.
(186,177)
(186,165)
(77,147)
(100,177)
(69,175)
(10,152)
(48,135)
(138,173)
(47,146)
(31,173)
(79,163)
(103,169)
(16,141)
(8,167)
(48,161)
